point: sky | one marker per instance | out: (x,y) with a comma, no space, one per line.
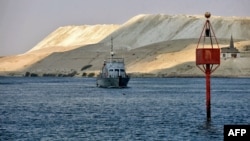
(24,23)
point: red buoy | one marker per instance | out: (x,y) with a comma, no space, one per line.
(208,57)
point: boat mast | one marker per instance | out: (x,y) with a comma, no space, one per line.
(111,52)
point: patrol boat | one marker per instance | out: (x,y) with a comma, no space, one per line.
(113,73)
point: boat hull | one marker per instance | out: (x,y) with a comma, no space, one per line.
(112,82)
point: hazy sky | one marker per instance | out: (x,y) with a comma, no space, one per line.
(24,23)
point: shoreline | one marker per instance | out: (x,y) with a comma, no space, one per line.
(132,75)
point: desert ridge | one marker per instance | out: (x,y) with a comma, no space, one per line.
(68,36)
(152,45)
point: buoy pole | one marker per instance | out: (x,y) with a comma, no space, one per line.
(208,89)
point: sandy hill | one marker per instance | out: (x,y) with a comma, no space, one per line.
(75,36)
(143,30)
(152,45)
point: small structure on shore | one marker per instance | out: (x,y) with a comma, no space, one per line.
(231,51)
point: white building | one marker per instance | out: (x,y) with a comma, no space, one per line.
(230,52)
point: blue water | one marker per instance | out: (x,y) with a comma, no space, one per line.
(174,109)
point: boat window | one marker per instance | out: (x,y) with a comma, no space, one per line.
(122,70)
(117,70)
(110,69)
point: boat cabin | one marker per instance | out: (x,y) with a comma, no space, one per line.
(114,68)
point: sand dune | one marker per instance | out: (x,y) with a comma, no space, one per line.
(69,36)
(152,45)
(143,30)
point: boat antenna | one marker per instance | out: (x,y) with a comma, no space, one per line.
(111,52)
